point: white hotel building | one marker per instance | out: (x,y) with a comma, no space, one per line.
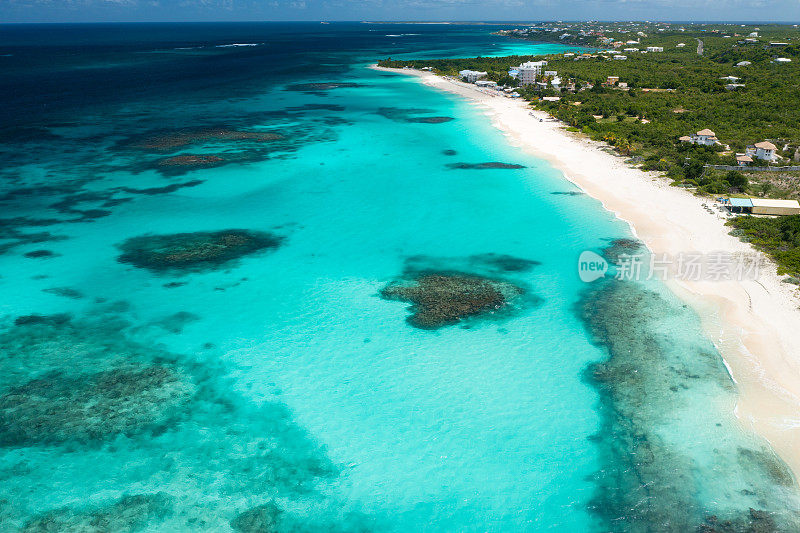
(471,76)
(529,71)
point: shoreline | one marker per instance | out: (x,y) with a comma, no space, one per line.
(755,324)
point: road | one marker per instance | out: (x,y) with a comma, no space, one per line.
(699,46)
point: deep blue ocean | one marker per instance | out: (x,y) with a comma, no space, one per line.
(230,260)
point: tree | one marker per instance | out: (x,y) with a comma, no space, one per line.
(737,180)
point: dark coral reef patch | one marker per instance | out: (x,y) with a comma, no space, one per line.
(260,519)
(191,161)
(41,254)
(203,250)
(491,165)
(441,297)
(66,292)
(270,518)
(73,389)
(430,120)
(445,298)
(166,189)
(128,514)
(400,114)
(317,107)
(487,265)
(652,379)
(752,521)
(57,408)
(62,383)
(181,164)
(171,140)
(503,262)
(620,248)
(321,87)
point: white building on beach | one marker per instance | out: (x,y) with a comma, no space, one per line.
(471,76)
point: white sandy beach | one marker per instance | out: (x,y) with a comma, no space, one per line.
(754,323)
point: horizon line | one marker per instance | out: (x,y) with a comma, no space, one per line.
(428,21)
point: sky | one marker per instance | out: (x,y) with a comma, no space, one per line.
(396,10)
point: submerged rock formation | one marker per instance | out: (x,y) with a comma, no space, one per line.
(753,521)
(444,291)
(168,141)
(191,160)
(202,250)
(62,381)
(322,86)
(57,407)
(166,189)
(261,519)
(623,247)
(401,114)
(485,166)
(502,263)
(127,515)
(489,265)
(430,120)
(650,478)
(40,254)
(81,391)
(446,298)
(181,164)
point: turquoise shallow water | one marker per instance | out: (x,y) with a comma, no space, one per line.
(279,391)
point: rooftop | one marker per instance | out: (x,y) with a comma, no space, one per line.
(741,202)
(768,202)
(766,145)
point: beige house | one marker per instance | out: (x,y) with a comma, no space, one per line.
(764,150)
(765,206)
(705,137)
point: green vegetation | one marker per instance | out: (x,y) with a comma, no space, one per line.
(668,94)
(778,237)
(661,96)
